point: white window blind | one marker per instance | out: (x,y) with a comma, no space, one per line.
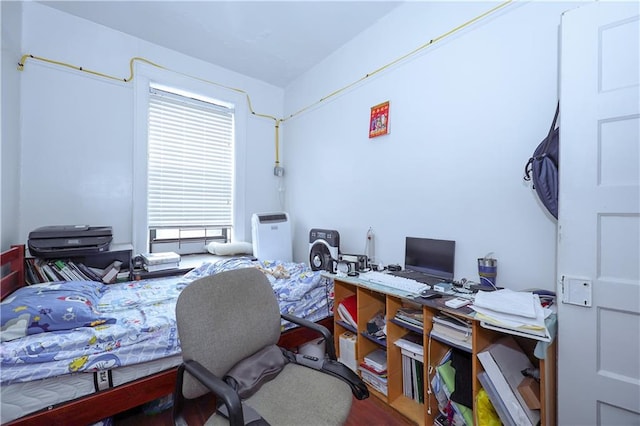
(190,162)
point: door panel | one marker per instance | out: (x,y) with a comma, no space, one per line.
(599,214)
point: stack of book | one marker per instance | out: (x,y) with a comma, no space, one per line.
(412,366)
(44,270)
(452,330)
(503,363)
(153,262)
(412,317)
(374,370)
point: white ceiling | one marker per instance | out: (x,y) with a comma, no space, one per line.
(273,41)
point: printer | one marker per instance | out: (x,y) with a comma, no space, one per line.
(69,240)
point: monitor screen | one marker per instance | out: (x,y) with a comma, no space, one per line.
(432,257)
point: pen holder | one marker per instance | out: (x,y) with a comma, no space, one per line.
(488,270)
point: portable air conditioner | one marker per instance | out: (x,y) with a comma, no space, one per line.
(271,235)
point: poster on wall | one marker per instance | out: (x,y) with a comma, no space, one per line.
(379,121)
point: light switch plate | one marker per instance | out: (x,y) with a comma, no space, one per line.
(576,291)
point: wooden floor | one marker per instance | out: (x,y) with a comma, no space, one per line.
(369,412)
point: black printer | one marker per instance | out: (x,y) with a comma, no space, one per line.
(69,240)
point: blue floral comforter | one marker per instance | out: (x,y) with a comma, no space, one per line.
(137,321)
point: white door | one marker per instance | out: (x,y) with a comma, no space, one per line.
(599,216)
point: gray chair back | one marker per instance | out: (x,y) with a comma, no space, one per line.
(224,318)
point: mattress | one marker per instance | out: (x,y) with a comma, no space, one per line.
(139,339)
(20,399)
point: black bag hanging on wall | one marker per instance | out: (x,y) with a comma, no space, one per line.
(542,168)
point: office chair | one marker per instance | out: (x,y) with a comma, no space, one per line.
(233,316)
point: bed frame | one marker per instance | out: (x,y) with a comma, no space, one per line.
(103,404)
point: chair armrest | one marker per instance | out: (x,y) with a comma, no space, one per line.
(328,337)
(222,390)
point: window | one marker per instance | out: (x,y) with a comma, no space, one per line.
(190,171)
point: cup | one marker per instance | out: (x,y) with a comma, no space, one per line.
(487,269)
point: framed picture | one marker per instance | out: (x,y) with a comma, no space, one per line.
(379,121)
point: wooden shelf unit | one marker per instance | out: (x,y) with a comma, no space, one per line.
(370,302)
(102,259)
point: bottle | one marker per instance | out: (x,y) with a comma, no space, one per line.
(369,248)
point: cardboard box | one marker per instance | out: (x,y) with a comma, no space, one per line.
(529,388)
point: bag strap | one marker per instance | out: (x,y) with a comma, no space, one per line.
(547,141)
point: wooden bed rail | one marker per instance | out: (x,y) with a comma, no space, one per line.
(14,278)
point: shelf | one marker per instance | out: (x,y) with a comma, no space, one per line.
(370,303)
(346,326)
(451,343)
(411,409)
(381,342)
(99,260)
(408,326)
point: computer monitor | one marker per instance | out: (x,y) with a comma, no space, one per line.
(430,256)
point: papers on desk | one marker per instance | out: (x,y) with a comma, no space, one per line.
(513,312)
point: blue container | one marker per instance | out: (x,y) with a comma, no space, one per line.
(488,270)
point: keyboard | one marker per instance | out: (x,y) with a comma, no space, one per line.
(394,282)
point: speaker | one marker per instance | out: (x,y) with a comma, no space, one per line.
(324,249)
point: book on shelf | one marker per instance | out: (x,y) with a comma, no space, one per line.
(453,341)
(451,321)
(412,376)
(90,273)
(381,373)
(407,324)
(111,272)
(452,332)
(160,258)
(52,273)
(347,311)
(46,270)
(161,266)
(377,359)
(377,382)
(411,342)
(503,361)
(410,316)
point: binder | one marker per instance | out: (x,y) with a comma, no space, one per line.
(494,397)
(503,362)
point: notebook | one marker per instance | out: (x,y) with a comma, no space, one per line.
(428,260)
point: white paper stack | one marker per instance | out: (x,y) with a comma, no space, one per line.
(153,262)
(514,312)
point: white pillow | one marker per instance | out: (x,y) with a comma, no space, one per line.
(226,249)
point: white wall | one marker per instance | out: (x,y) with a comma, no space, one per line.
(466,114)
(10,153)
(78,130)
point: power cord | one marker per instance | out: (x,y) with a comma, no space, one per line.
(429,372)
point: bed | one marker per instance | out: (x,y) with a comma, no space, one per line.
(116,347)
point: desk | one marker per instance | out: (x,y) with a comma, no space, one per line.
(371,299)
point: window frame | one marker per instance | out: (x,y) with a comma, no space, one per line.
(147,75)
